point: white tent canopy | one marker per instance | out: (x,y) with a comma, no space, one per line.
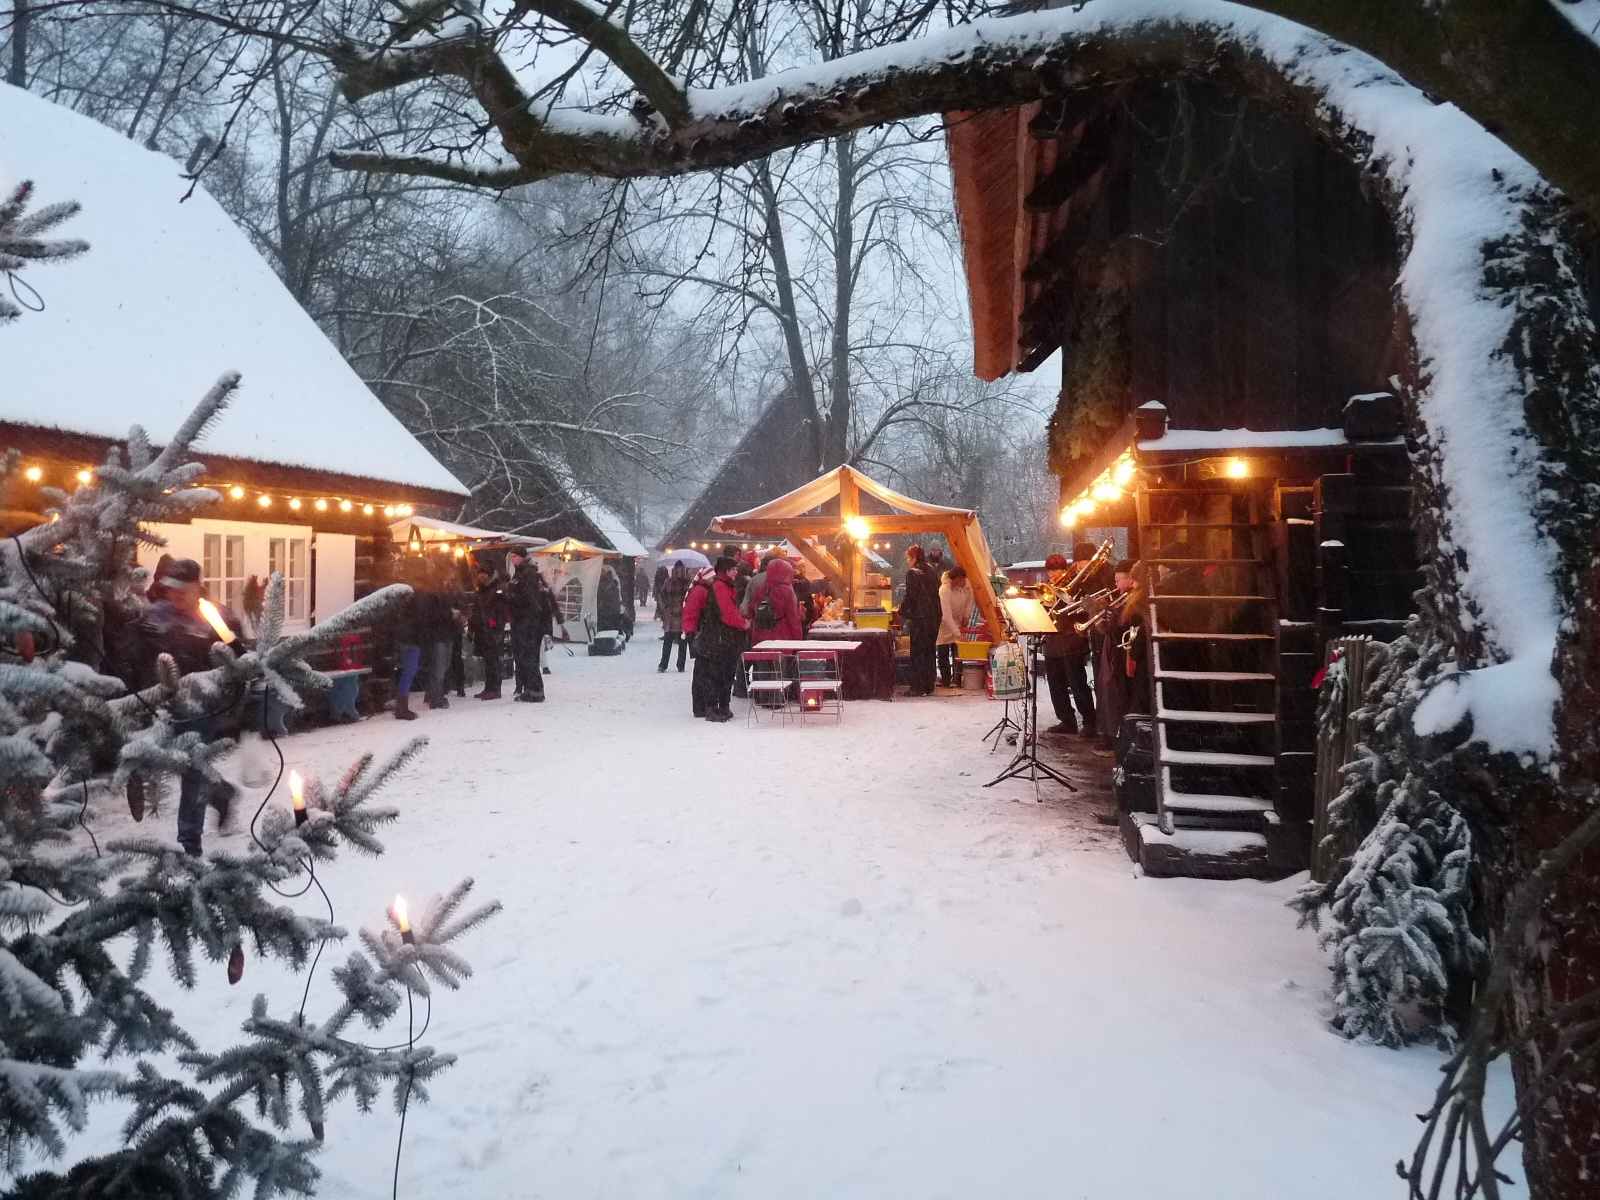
(432,529)
(169,296)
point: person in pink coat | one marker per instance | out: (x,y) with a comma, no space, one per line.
(778,587)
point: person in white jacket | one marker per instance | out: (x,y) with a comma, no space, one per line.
(955,603)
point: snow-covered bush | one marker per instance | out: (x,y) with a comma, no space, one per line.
(84,926)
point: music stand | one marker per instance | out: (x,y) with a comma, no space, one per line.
(1030,621)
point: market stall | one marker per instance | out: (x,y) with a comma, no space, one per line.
(572,569)
(829,523)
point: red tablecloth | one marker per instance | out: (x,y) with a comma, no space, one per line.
(868,669)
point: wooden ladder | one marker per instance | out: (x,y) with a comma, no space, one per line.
(1212,620)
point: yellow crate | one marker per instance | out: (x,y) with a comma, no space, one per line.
(872,620)
(972,650)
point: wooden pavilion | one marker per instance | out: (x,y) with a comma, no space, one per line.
(830,519)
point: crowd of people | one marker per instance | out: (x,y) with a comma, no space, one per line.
(738,602)
(505,609)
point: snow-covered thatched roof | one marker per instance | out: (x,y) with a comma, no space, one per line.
(170,295)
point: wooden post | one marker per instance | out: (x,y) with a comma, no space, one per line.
(849,507)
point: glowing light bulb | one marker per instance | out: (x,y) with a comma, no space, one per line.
(265,501)
(295,504)
(236,492)
(405,510)
(34,474)
(214,619)
(85,476)
(1069,516)
(402,921)
(389,511)
(367,509)
(1106,492)
(857,528)
(1124,473)
(345,506)
(297,793)
(322,506)
(1238,468)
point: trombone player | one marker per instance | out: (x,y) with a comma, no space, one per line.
(1066,652)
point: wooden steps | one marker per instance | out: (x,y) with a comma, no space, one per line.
(1215,766)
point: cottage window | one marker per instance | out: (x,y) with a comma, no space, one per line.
(288,557)
(222,568)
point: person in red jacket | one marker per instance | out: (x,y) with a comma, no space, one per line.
(778,587)
(711,614)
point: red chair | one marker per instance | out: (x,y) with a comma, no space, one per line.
(766,683)
(820,680)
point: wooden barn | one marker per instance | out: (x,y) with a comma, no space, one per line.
(1219,288)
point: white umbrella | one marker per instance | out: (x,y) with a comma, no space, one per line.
(689,558)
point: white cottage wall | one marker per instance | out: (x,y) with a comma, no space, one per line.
(334,573)
(250,548)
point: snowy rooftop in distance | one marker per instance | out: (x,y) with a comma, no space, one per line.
(169,296)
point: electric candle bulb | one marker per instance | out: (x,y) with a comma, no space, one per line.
(403,921)
(298,794)
(84,476)
(214,619)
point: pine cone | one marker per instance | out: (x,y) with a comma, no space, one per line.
(236,965)
(25,646)
(136,797)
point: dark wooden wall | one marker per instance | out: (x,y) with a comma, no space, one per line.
(1252,276)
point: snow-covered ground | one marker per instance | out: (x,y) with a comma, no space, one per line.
(825,963)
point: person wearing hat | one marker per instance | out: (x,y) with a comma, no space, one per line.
(173,625)
(533,609)
(1066,659)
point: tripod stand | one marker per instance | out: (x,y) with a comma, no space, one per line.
(1001,728)
(1026,765)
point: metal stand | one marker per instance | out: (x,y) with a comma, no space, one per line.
(1001,728)
(1026,765)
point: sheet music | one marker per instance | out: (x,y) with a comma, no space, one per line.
(1027,615)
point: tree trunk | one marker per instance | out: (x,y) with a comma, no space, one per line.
(799,366)
(17,73)
(836,448)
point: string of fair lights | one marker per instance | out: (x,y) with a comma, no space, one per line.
(265,500)
(1112,484)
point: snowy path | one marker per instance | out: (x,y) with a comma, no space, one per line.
(825,964)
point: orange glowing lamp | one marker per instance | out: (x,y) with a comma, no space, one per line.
(214,619)
(402,921)
(297,792)
(1238,468)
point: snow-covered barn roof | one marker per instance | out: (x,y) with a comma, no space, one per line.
(170,295)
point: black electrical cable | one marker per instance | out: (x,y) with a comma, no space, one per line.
(405,1099)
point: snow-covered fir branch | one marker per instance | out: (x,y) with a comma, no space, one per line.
(82,928)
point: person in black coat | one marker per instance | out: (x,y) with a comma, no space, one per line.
(434,611)
(533,608)
(173,625)
(1066,654)
(921,612)
(491,613)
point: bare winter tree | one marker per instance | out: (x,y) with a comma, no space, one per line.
(1507,419)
